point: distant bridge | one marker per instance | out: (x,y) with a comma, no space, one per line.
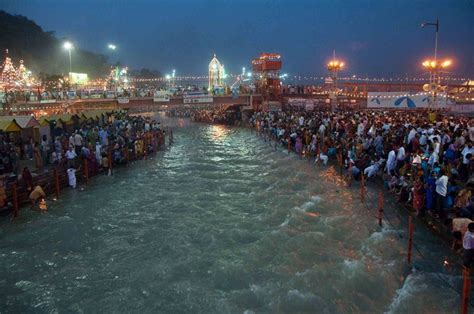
(132,104)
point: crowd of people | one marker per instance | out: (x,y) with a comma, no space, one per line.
(425,158)
(222,114)
(114,139)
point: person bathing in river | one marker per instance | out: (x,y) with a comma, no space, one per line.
(38,195)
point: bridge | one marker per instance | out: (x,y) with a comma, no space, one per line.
(133,104)
(352,94)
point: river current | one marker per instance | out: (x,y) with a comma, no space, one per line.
(221,222)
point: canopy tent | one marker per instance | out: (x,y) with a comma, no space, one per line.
(93,114)
(24,121)
(28,124)
(67,118)
(44,121)
(62,122)
(9,125)
(45,128)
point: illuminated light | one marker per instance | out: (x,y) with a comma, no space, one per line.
(446,63)
(112,46)
(68,45)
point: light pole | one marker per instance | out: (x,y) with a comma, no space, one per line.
(69,46)
(436,24)
(334,67)
(112,47)
(435,66)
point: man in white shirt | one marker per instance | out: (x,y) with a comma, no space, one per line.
(441,192)
(78,142)
(401,154)
(468,149)
(411,135)
(433,157)
(391,162)
(71,156)
(468,245)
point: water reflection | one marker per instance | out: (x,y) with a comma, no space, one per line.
(218,132)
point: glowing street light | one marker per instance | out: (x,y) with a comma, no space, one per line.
(112,47)
(335,66)
(69,46)
(436,65)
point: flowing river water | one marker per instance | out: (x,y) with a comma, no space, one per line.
(221,222)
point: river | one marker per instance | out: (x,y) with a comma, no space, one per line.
(221,222)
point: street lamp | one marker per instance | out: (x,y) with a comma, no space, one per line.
(436,25)
(69,46)
(112,47)
(334,67)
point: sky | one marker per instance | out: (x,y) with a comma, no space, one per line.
(375,38)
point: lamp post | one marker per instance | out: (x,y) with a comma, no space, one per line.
(334,67)
(69,46)
(435,66)
(174,78)
(168,80)
(436,25)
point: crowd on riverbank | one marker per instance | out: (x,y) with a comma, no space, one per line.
(98,144)
(425,159)
(222,114)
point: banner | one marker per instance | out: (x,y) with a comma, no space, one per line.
(300,102)
(197,99)
(123,100)
(161,96)
(309,105)
(78,78)
(404,100)
(47,101)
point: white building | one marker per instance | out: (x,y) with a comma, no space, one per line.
(216,73)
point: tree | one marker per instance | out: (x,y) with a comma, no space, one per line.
(42,51)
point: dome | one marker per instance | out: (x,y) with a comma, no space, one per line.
(216,73)
(214,64)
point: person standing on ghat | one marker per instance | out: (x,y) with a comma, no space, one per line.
(78,142)
(71,157)
(468,245)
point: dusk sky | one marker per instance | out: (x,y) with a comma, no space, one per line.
(376,38)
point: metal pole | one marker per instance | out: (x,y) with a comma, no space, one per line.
(436,74)
(70,61)
(466,291)
(56,179)
(436,40)
(410,239)
(15,200)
